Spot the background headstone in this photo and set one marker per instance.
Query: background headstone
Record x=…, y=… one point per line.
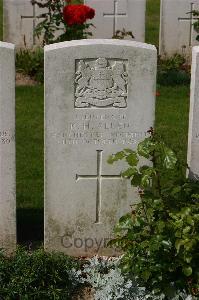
x=20, y=19
x=112, y=15
x=7, y=148
x=99, y=99
x=177, y=34
x=193, y=140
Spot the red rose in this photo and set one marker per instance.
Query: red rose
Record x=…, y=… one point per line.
x=77, y=14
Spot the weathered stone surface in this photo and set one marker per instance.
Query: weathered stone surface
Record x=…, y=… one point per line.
x=99, y=99
x=193, y=141
x=7, y=148
x=113, y=15
x=20, y=19
x=177, y=34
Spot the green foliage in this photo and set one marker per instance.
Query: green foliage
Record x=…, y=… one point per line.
x=121, y=34
x=160, y=237
x=173, y=71
x=31, y=62
x=37, y=275
x=53, y=28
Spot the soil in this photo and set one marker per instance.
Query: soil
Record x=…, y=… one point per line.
x=84, y=294
x=22, y=80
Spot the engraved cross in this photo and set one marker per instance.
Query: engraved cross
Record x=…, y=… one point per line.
x=115, y=15
x=191, y=22
x=98, y=177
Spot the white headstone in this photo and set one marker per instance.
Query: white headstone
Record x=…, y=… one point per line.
x=193, y=140
x=113, y=15
x=99, y=99
x=20, y=20
x=7, y=148
x=177, y=34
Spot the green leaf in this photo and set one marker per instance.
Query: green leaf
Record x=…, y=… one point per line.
x=145, y=181
x=188, y=259
x=113, y=242
x=129, y=151
x=190, y=220
x=146, y=147
x=170, y=158
x=185, y=211
x=160, y=226
x=176, y=190
x=186, y=229
x=135, y=181
x=179, y=244
x=129, y=172
x=187, y=271
x=125, y=222
x=115, y=157
x=166, y=244
x=145, y=168
x=132, y=159
x=146, y=275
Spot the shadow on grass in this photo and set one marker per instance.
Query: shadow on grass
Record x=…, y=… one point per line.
x=30, y=227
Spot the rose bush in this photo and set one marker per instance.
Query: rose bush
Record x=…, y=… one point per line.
x=62, y=21
x=77, y=14
x=160, y=235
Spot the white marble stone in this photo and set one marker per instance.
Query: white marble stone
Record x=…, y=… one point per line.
x=20, y=19
x=193, y=139
x=177, y=34
x=112, y=15
x=99, y=99
x=7, y=148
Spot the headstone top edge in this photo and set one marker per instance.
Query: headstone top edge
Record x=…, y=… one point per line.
x=195, y=50
x=88, y=42
x=7, y=45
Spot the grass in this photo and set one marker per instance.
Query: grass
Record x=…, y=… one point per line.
x=152, y=21
x=29, y=163
x=1, y=20
x=29, y=140
x=172, y=110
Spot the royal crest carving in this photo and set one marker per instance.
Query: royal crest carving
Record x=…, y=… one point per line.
x=102, y=83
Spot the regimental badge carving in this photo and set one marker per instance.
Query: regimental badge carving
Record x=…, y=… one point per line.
x=101, y=83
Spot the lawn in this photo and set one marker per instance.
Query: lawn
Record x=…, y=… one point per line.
x=171, y=122
x=152, y=21
x=172, y=110
x=1, y=20
x=29, y=162
x=29, y=141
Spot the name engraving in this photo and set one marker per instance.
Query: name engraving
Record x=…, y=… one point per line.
x=100, y=129
x=101, y=83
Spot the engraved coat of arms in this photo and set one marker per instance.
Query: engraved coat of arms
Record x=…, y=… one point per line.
x=101, y=85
